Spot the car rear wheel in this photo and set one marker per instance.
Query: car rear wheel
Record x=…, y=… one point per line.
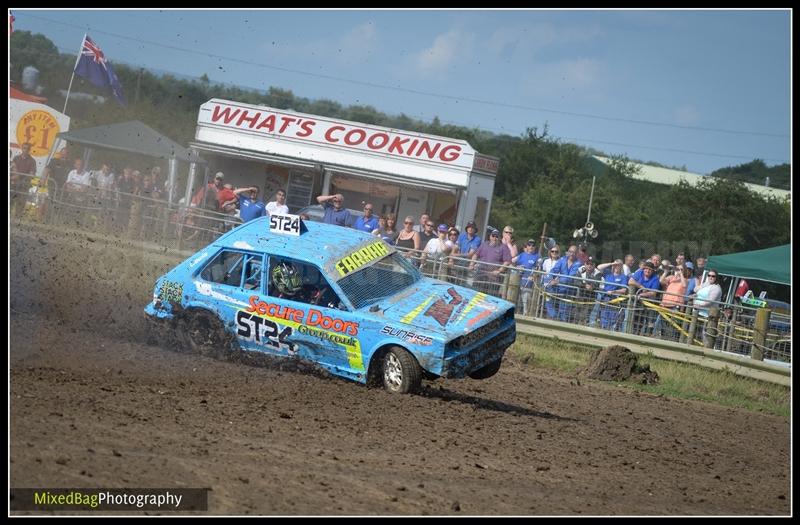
x=487, y=371
x=401, y=372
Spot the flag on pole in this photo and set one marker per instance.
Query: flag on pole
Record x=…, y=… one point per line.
x=93, y=66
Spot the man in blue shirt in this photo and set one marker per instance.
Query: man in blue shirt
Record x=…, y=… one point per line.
x=335, y=212
x=249, y=206
x=369, y=222
x=615, y=285
x=527, y=260
x=645, y=283
x=562, y=284
x=468, y=241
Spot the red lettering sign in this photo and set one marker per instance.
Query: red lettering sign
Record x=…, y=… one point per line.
x=338, y=134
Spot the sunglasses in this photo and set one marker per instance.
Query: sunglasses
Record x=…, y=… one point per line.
x=429, y=225
x=553, y=251
x=712, y=275
x=408, y=222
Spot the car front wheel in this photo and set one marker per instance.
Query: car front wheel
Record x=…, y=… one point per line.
x=401, y=372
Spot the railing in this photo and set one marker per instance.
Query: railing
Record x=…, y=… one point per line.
x=733, y=328
x=728, y=327
x=131, y=216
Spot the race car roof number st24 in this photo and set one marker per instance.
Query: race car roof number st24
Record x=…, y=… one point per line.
x=285, y=224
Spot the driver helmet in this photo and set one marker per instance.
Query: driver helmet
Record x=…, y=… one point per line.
x=286, y=278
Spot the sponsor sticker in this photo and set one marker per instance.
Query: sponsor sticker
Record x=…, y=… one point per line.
x=170, y=291
x=361, y=257
x=407, y=335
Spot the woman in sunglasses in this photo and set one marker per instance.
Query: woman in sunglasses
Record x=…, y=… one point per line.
x=707, y=294
x=408, y=238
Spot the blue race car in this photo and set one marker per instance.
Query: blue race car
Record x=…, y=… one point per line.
x=336, y=297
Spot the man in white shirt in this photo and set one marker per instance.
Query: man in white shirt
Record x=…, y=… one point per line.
x=79, y=179
x=278, y=205
x=104, y=179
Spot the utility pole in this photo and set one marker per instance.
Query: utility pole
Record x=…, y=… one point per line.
x=138, y=83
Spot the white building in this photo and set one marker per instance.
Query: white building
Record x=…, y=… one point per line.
x=401, y=172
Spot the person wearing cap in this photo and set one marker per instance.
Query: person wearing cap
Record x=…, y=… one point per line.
x=489, y=261
x=468, y=241
x=508, y=240
x=675, y=285
x=526, y=260
x=435, y=250
x=645, y=284
x=468, y=244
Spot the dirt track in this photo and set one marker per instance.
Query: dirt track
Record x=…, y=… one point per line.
x=93, y=405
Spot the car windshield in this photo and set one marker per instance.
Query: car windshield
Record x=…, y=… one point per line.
x=385, y=278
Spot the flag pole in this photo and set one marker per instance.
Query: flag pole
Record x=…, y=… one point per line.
x=73, y=72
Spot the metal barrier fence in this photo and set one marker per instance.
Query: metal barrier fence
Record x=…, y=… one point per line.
x=734, y=328
x=131, y=216
x=728, y=327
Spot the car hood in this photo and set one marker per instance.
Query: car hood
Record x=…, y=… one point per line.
x=440, y=307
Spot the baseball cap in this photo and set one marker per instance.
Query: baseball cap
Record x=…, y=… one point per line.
x=219, y=175
x=530, y=242
x=649, y=264
x=471, y=224
x=689, y=265
x=442, y=228
x=494, y=232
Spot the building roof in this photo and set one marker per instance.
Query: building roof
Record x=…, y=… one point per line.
x=672, y=177
x=134, y=137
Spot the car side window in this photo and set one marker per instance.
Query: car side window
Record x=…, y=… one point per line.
x=301, y=282
x=225, y=268
x=252, y=272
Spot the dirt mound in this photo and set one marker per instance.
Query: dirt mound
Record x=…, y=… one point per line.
x=617, y=363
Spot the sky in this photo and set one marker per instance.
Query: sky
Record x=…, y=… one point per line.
x=701, y=89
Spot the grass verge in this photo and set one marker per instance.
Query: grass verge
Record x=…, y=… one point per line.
x=676, y=379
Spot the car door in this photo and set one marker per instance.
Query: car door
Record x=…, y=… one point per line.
x=257, y=320
x=311, y=324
